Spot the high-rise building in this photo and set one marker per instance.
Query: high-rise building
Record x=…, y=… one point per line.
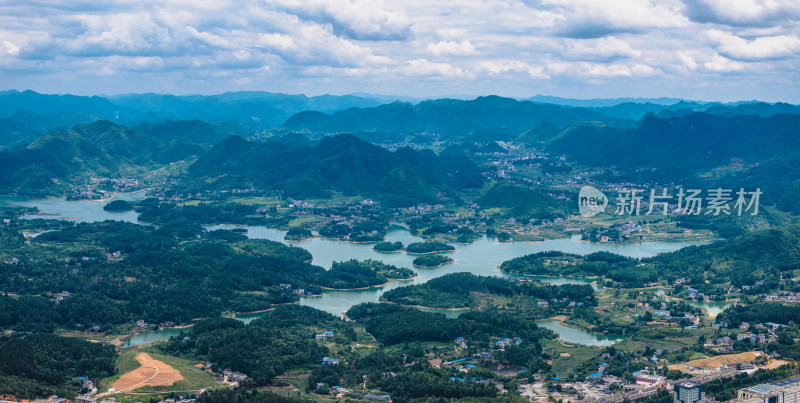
x=787, y=391
x=689, y=392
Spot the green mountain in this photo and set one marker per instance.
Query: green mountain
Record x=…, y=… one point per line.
x=538, y=134
x=196, y=131
x=694, y=141
x=340, y=163
x=449, y=118
x=102, y=148
x=521, y=202
x=698, y=149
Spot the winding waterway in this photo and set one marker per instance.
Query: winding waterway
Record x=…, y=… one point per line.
x=481, y=258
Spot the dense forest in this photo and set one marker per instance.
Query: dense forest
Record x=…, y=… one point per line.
x=342, y=163
x=457, y=290
x=245, y=395
x=281, y=340
x=359, y=274
x=756, y=260
x=522, y=202
x=388, y=246
x=44, y=364
x=297, y=234
x=111, y=273
x=761, y=312
x=364, y=230
x=431, y=261
x=393, y=324
x=428, y=247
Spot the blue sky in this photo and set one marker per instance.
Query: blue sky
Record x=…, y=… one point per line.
x=698, y=49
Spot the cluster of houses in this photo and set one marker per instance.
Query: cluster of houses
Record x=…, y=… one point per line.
x=461, y=364
x=465, y=364
x=421, y=209
x=757, y=338
x=722, y=344
x=330, y=361
x=233, y=376
x=120, y=184
x=336, y=390
x=88, y=195
x=656, y=358
x=501, y=344
x=324, y=336
x=783, y=296
x=61, y=296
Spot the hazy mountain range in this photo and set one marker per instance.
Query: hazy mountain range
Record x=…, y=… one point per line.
x=319, y=146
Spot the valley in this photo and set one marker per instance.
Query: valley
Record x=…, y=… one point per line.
x=317, y=256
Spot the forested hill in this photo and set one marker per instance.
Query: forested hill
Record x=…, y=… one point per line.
x=694, y=141
x=101, y=148
x=700, y=149
x=758, y=261
x=450, y=118
x=340, y=163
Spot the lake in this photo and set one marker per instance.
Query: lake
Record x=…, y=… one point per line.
x=481, y=257
x=58, y=208
x=576, y=336
x=149, y=337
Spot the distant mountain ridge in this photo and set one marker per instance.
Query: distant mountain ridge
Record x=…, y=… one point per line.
x=341, y=163
x=448, y=118
x=702, y=149
x=28, y=114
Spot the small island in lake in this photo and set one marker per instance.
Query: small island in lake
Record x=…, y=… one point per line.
x=388, y=246
x=118, y=206
x=428, y=247
x=354, y=274
x=297, y=234
x=432, y=261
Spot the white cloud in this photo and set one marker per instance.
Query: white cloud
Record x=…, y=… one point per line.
x=122, y=33
x=743, y=12
x=356, y=19
x=687, y=60
x=594, y=19
x=403, y=46
x=608, y=48
x=451, y=48
x=11, y=48
x=494, y=67
x=721, y=64
x=317, y=45
x=587, y=69
x=424, y=67
x=764, y=48
x=209, y=38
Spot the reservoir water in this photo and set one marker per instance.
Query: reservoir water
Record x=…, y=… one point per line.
x=58, y=208
x=481, y=258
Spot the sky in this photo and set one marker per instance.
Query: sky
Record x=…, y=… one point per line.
x=712, y=50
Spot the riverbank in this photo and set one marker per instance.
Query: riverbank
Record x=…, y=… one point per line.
x=433, y=267
x=426, y=307
x=432, y=252
x=369, y=286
